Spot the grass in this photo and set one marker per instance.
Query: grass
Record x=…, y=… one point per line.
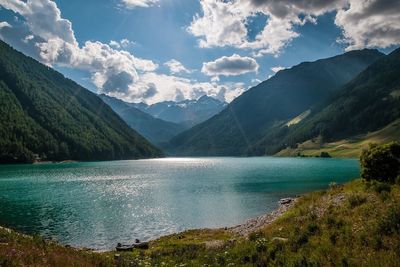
x=357, y=224
x=348, y=148
x=21, y=250
x=299, y=118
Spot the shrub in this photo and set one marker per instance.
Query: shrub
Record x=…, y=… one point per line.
x=390, y=224
x=255, y=235
x=356, y=200
x=325, y=154
x=261, y=245
x=379, y=187
x=381, y=162
x=398, y=180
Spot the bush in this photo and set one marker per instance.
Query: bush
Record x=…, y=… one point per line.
x=381, y=187
x=356, y=200
x=390, y=224
x=381, y=162
x=325, y=155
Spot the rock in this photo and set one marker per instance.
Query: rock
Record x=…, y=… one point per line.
x=285, y=201
x=121, y=247
x=143, y=245
x=138, y=245
x=258, y=223
x=282, y=239
x=214, y=244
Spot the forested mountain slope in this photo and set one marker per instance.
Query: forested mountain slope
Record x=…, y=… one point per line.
x=251, y=116
x=48, y=117
x=368, y=103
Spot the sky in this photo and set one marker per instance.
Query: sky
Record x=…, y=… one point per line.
x=156, y=50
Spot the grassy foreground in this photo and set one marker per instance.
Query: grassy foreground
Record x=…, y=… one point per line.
x=357, y=224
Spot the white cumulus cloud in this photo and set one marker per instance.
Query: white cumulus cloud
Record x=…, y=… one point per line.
x=365, y=23
x=139, y=3
x=373, y=23
x=225, y=22
x=50, y=38
x=277, y=68
x=122, y=44
x=176, y=67
x=5, y=24
x=170, y=87
x=230, y=66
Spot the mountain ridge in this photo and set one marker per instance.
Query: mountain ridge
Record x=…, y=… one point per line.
x=155, y=130
x=46, y=116
x=188, y=112
x=290, y=92
x=369, y=102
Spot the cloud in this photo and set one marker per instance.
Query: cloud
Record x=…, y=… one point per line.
x=373, y=23
x=151, y=91
x=122, y=44
x=118, y=82
x=43, y=18
x=115, y=44
x=224, y=23
x=109, y=67
x=293, y=8
x=139, y=3
x=4, y=24
x=176, y=67
x=153, y=87
x=230, y=66
x=277, y=68
x=50, y=38
x=126, y=43
x=45, y=35
x=28, y=38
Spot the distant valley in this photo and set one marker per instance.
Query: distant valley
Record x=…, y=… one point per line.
x=186, y=112
x=162, y=121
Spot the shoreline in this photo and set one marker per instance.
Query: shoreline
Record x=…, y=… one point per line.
x=241, y=230
x=254, y=224
x=335, y=219
x=171, y=156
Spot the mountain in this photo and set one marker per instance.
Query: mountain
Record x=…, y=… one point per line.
x=369, y=106
x=290, y=93
x=188, y=112
x=155, y=130
x=46, y=116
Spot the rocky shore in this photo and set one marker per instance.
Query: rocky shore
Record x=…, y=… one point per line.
x=255, y=224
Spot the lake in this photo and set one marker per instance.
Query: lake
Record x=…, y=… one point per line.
x=98, y=204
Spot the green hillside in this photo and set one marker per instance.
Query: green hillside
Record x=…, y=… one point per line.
x=45, y=116
x=348, y=148
x=366, y=104
x=289, y=93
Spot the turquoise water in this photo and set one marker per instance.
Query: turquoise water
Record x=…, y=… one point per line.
x=97, y=204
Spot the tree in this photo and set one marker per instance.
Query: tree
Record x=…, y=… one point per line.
x=325, y=154
x=381, y=162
